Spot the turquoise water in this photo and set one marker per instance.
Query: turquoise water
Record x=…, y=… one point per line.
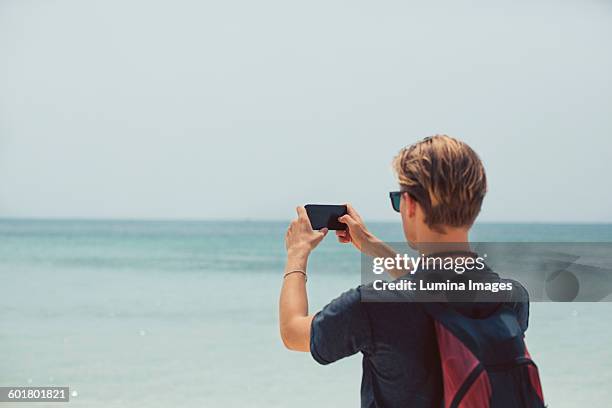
x=184, y=314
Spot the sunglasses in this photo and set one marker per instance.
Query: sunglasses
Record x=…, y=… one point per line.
x=396, y=199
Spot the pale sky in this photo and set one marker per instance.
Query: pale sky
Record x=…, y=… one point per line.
x=243, y=109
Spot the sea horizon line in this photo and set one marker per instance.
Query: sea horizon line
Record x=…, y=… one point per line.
x=270, y=220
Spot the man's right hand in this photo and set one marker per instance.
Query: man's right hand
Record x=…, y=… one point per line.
x=356, y=232
x=364, y=240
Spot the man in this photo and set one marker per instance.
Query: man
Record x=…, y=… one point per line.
x=442, y=186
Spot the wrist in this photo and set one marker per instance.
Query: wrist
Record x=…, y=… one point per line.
x=378, y=248
x=297, y=259
x=298, y=252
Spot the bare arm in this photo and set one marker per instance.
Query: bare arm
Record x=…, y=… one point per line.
x=358, y=235
x=293, y=308
x=294, y=321
x=301, y=239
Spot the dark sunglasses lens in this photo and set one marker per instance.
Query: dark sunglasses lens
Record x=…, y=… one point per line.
x=395, y=201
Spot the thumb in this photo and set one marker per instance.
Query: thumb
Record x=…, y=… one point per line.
x=348, y=220
x=321, y=234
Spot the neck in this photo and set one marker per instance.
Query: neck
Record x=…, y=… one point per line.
x=451, y=240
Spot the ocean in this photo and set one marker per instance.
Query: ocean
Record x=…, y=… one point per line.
x=184, y=314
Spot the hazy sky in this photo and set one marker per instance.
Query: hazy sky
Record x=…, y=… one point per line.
x=243, y=109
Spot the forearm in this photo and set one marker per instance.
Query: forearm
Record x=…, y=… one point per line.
x=380, y=249
x=293, y=306
x=294, y=299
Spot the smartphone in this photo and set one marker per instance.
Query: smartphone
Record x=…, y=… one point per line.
x=326, y=215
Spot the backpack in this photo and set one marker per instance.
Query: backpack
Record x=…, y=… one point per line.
x=485, y=362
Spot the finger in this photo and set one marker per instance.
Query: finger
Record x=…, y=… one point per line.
x=324, y=231
x=348, y=220
x=341, y=233
x=301, y=212
x=352, y=211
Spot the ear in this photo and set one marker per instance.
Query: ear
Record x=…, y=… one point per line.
x=410, y=205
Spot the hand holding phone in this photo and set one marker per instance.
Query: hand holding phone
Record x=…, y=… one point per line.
x=326, y=216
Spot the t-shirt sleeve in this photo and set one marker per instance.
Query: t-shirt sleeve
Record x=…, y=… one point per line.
x=522, y=312
x=340, y=329
x=521, y=306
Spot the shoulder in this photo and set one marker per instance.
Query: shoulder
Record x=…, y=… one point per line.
x=348, y=303
x=518, y=294
x=519, y=302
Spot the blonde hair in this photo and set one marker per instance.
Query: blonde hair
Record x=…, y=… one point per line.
x=446, y=177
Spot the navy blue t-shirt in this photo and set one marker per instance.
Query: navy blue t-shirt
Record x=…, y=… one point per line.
x=401, y=364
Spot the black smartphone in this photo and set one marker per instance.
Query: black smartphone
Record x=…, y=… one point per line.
x=326, y=215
